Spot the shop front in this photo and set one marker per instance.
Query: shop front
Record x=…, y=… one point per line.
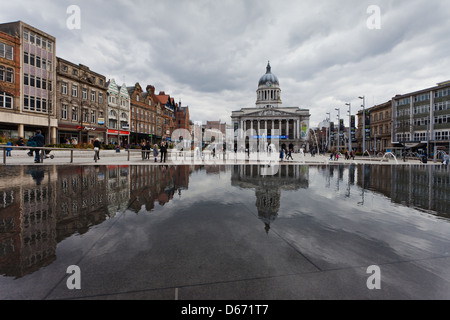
x=118, y=137
x=76, y=134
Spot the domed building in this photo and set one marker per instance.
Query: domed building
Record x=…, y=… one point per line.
x=269, y=119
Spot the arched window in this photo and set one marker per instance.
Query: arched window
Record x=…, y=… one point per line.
x=112, y=113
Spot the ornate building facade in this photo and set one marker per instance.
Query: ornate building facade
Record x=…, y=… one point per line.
x=81, y=103
x=269, y=119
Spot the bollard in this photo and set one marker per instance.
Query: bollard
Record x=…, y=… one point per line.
x=4, y=155
x=128, y=154
x=71, y=156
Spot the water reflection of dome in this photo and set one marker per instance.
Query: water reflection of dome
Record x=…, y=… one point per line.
x=268, y=188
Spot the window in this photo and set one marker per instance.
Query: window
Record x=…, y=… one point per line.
x=26, y=102
x=26, y=79
x=137, y=98
x=64, y=88
x=6, y=51
x=44, y=64
x=44, y=84
x=75, y=72
x=32, y=104
x=10, y=75
x=26, y=58
x=84, y=93
x=2, y=73
x=38, y=82
x=93, y=117
x=38, y=105
x=32, y=60
x=44, y=44
x=100, y=98
x=6, y=100
x=38, y=41
x=92, y=95
x=49, y=46
x=64, y=112
x=85, y=115
x=26, y=35
x=64, y=68
x=32, y=37
x=32, y=81
x=74, y=91
x=74, y=113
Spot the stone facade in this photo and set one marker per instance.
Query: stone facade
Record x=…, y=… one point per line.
x=81, y=103
x=118, y=115
x=269, y=119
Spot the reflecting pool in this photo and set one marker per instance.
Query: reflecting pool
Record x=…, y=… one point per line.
x=225, y=232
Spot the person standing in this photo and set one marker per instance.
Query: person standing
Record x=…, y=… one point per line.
x=155, y=152
x=21, y=142
x=40, y=142
x=97, y=146
x=163, y=151
x=148, y=149
x=8, y=150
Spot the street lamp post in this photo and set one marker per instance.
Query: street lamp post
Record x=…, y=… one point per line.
x=364, y=123
x=329, y=130
x=339, y=128
x=349, y=126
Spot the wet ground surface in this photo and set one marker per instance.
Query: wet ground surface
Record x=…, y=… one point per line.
x=225, y=232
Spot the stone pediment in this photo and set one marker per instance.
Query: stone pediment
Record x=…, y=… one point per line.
x=269, y=113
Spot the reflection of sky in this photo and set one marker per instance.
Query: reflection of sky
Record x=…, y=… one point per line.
x=328, y=204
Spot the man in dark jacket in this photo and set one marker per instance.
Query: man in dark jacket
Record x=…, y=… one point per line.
x=40, y=142
x=163, y=149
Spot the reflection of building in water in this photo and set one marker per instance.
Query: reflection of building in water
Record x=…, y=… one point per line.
x=27, y=220
x=423, y=186
x=82, y=199
x=117, y=188
x=150, y=184
x=268, y=188
x=40, y=206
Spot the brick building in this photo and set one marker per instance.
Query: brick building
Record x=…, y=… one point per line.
x=81, y=103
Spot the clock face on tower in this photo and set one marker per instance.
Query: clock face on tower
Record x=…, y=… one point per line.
x=269, y=84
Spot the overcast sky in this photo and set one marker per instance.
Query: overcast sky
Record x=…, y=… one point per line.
x=210, y=54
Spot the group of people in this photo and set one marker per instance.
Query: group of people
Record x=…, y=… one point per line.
x=286, y=153
x=335, y=155
x=147, y=150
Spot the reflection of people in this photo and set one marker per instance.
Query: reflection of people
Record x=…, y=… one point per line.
x=40, y=142
x=38, y=175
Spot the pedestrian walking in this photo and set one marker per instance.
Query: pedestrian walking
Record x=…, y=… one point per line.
x=40, y=142
x=97, y=146
x=289, y=155
x=281, y=154
x=155, y=152
x=8, y=150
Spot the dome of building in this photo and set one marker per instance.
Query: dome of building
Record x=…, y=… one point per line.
x=269, y=78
